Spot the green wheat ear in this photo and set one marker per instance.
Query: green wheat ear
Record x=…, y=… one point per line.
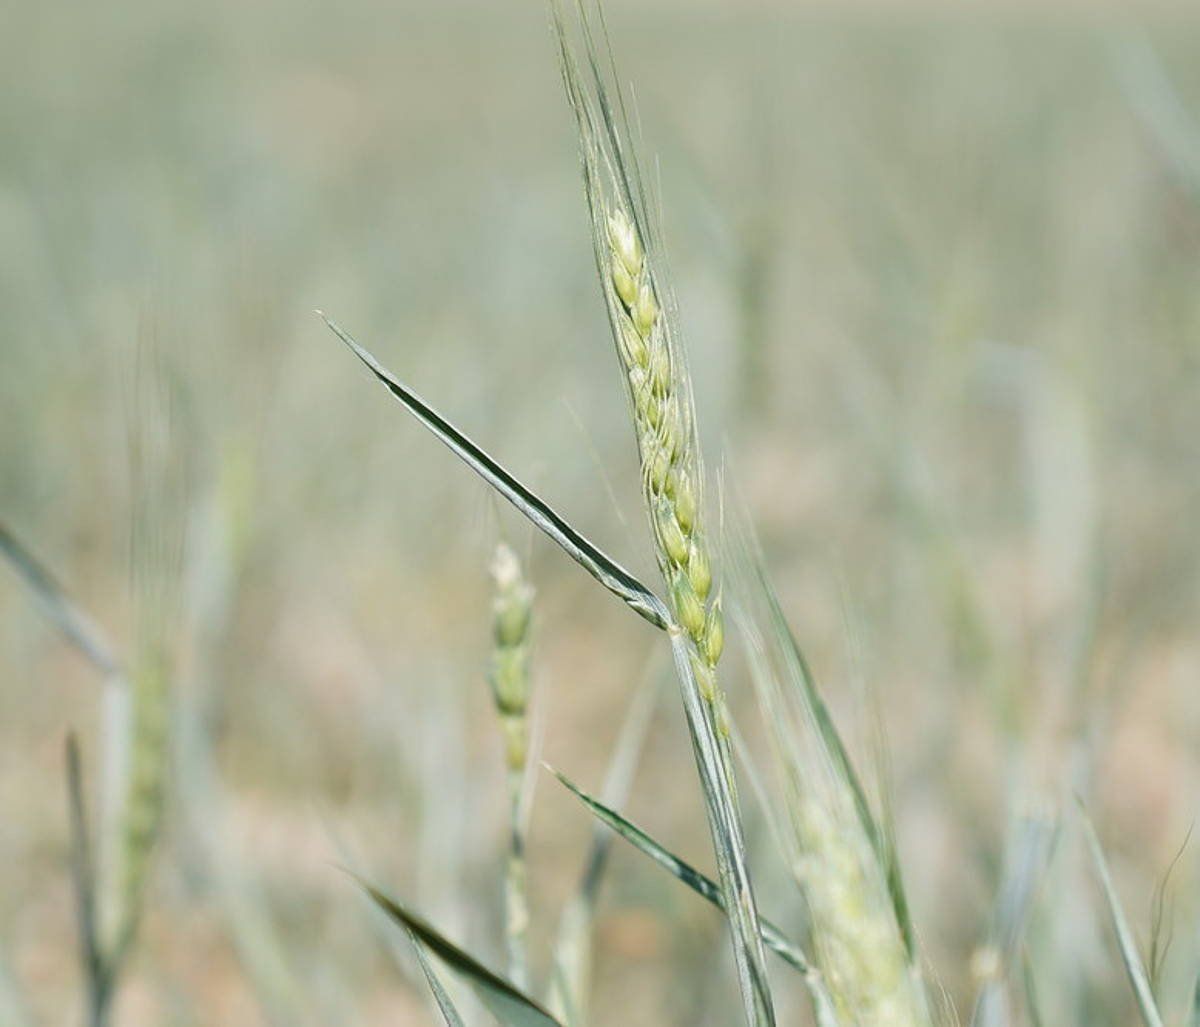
x=631, y=261
x=668, y=449
x=512, y=618
x=660, y=393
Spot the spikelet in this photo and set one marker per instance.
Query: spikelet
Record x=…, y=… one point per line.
x=512, y=616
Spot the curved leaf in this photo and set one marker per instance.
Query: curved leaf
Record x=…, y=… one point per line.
x=445, y=1004
x=707, y=889
x=79, y=629
x=1125, y=940
x=510, y=1006
x=603, y=568
x=724, y=821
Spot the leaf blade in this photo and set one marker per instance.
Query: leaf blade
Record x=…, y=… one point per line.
x=444, y=1002
x=707, y=889
x=1138, y=977
x=720, y=803
x=602, y=567
x=76, y=626
x=509, y=1005
x=680, y=869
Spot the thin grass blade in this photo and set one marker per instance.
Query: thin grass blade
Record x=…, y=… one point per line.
x=708, y=889
x=79, y=629
x=509, y=1005
x=1138, y=977
x=83, y=877
x=602, y=567
x=683, y=871
x=444, y=1002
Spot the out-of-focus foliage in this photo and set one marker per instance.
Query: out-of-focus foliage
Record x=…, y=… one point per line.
x=939, y=274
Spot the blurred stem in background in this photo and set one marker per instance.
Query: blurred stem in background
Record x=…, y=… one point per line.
x=220, y=552
x=222, y=535
x=571, y=980
x=146, y=717
x=13, y=1009
x=90, y=641
x=1159, y=107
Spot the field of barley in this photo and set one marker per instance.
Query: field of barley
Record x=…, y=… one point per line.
x=935, y=336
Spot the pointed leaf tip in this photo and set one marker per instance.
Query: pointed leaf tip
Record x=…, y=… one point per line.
x=512, y=1007
x=1138, y=978
x=600, y=565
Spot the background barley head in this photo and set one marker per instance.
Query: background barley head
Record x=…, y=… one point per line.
x=140, y=725
x=512, y=617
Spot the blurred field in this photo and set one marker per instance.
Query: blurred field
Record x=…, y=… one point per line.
x=940, y=275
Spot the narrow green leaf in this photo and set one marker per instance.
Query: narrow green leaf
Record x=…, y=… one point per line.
x=1194, y=1011
x=504, y=1001
x=701, y=884
x=603, y=568
x=83, y=877
x=446, y=1004
x=78, y=628
x=1125, y=940
x=724, y=820
x=707, y=889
